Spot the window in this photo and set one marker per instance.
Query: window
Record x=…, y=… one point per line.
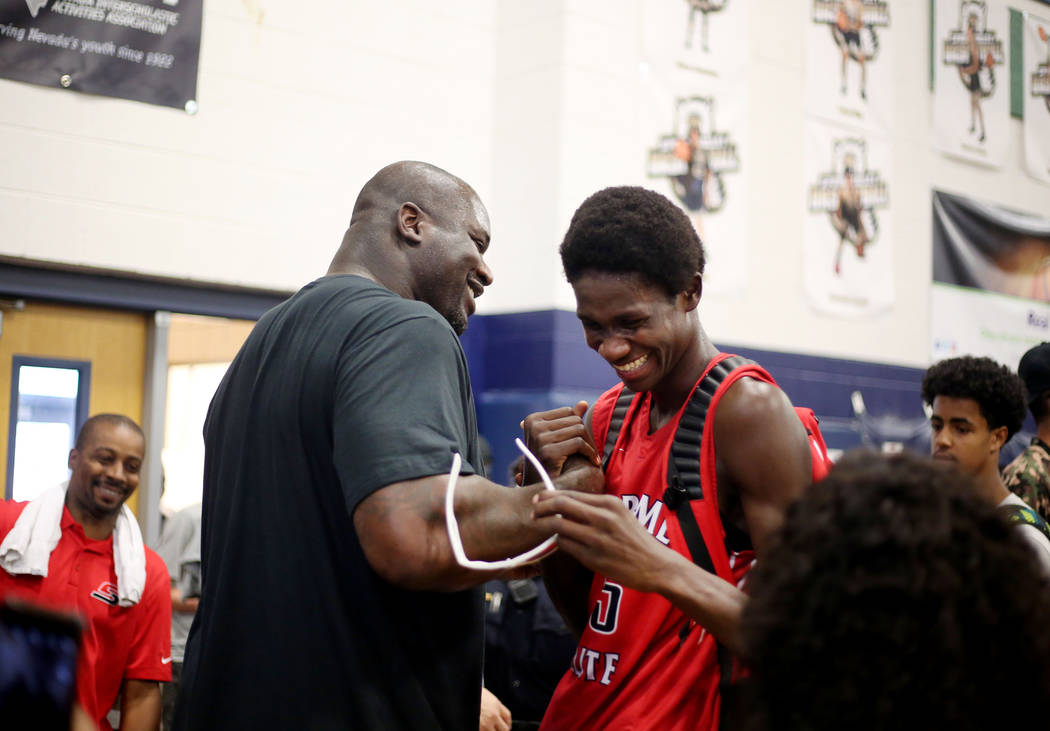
x=49, y=403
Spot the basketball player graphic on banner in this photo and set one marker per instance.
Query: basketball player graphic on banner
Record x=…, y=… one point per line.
x=1037, y=97
x=1040, y=83
x=847, y=259
x=695, y=158
x=700, y=8
x=694, y=35
x=854, y=29
x=971, y=108
x=974, y=50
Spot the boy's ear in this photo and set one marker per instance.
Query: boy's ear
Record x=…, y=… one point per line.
x=690, y=297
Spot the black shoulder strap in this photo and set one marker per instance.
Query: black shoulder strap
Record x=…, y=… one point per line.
x=1022, y=514
x=683, y=464
x=619, y=412
x=683, y=486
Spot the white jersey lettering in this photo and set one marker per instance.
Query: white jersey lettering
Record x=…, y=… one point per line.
x=648, y=516
x=587, y=662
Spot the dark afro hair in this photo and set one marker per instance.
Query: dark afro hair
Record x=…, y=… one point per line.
x=893, y=597
x=633, y=230
x=998, y=391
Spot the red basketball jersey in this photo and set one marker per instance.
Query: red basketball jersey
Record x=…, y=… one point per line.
x=641, y=663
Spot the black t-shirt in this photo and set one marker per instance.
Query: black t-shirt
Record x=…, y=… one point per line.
x=339, y=391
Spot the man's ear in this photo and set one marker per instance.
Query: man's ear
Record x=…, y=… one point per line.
x=691, y=294
x=409, y=222
x=999, y=437
x=73, y=454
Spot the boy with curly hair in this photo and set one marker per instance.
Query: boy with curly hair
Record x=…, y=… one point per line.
x=977, y=405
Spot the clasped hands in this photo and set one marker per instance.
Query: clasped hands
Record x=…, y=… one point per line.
x=595, y=528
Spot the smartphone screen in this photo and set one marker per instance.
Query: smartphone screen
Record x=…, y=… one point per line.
x=38, y=664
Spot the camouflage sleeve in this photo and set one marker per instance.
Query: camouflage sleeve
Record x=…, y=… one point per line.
x=1028, y=477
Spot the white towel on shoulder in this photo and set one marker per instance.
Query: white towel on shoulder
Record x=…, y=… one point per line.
x=27, y=547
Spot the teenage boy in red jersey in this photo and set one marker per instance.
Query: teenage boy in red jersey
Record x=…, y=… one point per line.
x=78, y=549
x=651, y=622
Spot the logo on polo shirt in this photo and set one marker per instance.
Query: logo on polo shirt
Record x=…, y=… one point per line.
x=106, y=593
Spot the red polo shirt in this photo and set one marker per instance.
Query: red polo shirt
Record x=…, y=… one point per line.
x=119, y=643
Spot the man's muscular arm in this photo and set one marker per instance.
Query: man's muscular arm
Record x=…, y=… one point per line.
x=401, y=528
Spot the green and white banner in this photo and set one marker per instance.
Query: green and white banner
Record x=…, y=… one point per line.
x=965, y=321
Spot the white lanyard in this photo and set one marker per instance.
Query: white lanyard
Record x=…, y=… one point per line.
x=453, y=525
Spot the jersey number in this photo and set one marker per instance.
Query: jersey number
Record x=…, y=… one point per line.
x=607, y=609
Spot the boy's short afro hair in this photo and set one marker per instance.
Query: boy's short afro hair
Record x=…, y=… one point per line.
x=629, y=229
x=998, y=391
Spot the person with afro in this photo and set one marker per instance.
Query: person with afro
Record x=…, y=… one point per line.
x=977, y=405
x=895, y=597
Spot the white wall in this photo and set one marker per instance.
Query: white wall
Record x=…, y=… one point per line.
x=299, y=103
x=603, y=85
x=537, y=104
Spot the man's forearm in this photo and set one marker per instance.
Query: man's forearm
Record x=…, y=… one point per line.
x=403, y=531
x=497, y=523
x=402, y=527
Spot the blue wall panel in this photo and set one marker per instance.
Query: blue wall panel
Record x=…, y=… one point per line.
x=534, y=361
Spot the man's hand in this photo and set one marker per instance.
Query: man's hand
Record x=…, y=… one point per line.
x=580, y=475
x=494, y=715
x=605, y=537
x=553, y=436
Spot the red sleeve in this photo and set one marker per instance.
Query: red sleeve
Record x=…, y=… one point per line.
x=150, y=655
x=9, y=512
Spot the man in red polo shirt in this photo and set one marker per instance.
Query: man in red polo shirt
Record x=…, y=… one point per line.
x=80, y=549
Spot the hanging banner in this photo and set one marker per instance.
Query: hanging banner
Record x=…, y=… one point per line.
x=971, y=99
x=145, y=50
x=1037, y=97
x=849, y=76
x=991, y=272
x=848, y=254
x=698, y=35
x=694, y=156
x=984, y=246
